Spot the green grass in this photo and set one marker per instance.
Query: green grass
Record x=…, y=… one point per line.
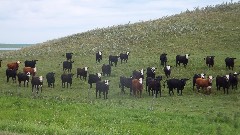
x=202, y=32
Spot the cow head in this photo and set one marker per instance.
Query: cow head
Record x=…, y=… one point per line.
x=153, y=69
x=106, y=82
x=18, y=62
x=85, y=68
x=28, y=74
x=99, y=52
x=210, y=79
x=127, y=53
x=202, y=75
x=168, y=67
x=99, y=75
x=141, y=71
x=187, y=55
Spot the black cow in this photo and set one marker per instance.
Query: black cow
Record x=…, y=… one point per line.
x=154, y=85
x=124, y=56
x=182, y=59
x=229, y=62
x=151, y=71
x=102, y=87
x=66, y=78
x=223, y=81
x=195, y=76
x=11, y=73
x=23, y=77
x=113, y=59
x=138, y=74
x=50, y=79
x=82, y=72
x=0, y=63
x=93, y=78
x=31, y=63
x=125, y=82
x=233, y=79
x=98, y=56
x=67, y=65
x=69, y=56
x=167, y=70
x=178, y=84
x=37, y=82
x=209, y=61
x=163, y=59
x=106, y=69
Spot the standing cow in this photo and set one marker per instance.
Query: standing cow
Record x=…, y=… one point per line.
x=66, y=78
x=98, y=56
x=209, y=61
x=31, y=63
x=94, y=78
x=178, y=84
x=163, y=59
x=151, y=72
x=102, y=87
x=37, y=83
x=23, y=77
x=182, y=59
x=124, y=56
x=67, y=65
x=223, y=81
x=229, y=62
x=11, y=73
x=69, y=56
x=13, y=65
x=106, y=69
x=125, y=82
x=50, y=79
x=137, y=87
x=205, y=84
x=167, y=71
x=82, y=72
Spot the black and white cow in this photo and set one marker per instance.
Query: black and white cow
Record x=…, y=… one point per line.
x=124, y=56
x=106, y=69
x=93, y=78
x=67, y=66
x=102, y=86
x=182, y=59
x=154, y=85
x=66, y=78
x=195, y=76
x=209, y=61
x=82, y=72
x=37, y=83
x=23, y=77
x=11, y=73
x=138, y=74
x=151, y=72
x=98, y=56
x=223, y=81
x=125, y=82
x=50, y=79
x=233, y=79
x=69, y=56
x=178, y=84
x=167, y=70
x=229, y=62
x=31, y=63
x=113, y=59
x=163, y=59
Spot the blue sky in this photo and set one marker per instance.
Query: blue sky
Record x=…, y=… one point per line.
x=36, y=21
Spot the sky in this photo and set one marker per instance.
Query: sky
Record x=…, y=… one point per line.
x=37, y=21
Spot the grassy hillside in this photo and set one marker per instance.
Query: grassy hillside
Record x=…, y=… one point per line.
x=207, y=31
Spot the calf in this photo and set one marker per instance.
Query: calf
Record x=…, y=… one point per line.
x=151, y=71
x=125, y=82
x=195, y=76
x=138, y=74
x=233, y=80
x=50, y=79
x=37, y=82
x=66, y=78
x=124, y=56
x=82, y=72
x=69, y=56
x=229, y=62
x=106, y=69
x=98, y=56
x=154, y=85
x=113, y=59
x=182, y=59
x=102, y=87
x=223, y=81
x=67, y=65
x=93, y=78
x=209, y=61
x=23, y=77
x=205, y=84
x=32, y=71
x=137, y=87
x=178, y=84
x=163, y=59
x=167, y=71
x=31, y=63
x=11, y=73
x=13, y=65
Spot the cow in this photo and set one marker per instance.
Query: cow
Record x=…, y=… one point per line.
x=23, y=77
x=174, y=83
x=113, y=59
x=93, y=78
x=31, y=70
x=125, y=82
x=182, y=59
x=13, y=65
x=154, y=85
x=124, y=56
x=205, y=84
x=167, y=70
x=82, y=72
x=69, y=56
x=209, y=61
x=233, y=79
x=11, y=73
x=151, y=71
x=98, y=56
x=37, y=82
x=195, y=76
x=229, y=62
x=223, y=81
x=67, y=66
x=31, y=63
x=137, y=87
x=138, y=74
x=50, y=76
x=106, y=69
x=163, y=59
x=102, y=86
x=0, y=63
x=67, y=78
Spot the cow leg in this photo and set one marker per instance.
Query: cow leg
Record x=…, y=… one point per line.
x=96, y=92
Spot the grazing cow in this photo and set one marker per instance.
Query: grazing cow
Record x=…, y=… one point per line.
x=50, y=79
x=69, y=56
x=13, y=65
x=151, y=71
x=93, y=78
x=154, y=85
x=37, y=82
x=178, y=84
x=223, y=81
x=202, y=75
x=125, y=82
x=31, y=63
x=233, y=79
x=229, y=62
x=98, y=56
x=66, y=78
x=11, y=73
x=138, y=74
x=167, y=71
x=182, y=59
x=32, y=71
x=204, y=84
x=124, y=56
x=106, y=69
x=102, y=87
x=113, y=59
x=67, y=65
x=23, y=77
x=0, y=63
x=209, y=61
x=163, y=59
x=82, y=72
x=137, y=87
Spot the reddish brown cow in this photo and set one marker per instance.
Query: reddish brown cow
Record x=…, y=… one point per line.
x=31, y=70
x=204, y=84
x=13, y=65
x=137, y=87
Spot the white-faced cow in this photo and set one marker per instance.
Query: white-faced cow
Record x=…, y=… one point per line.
x=23, y=77
x=167, y=70
x=50, y=76
x=178, y=84
x=229, y=62
x=138, y=74
x=151, y=72
x=223, y=81
x=113, y=59
x=209, y=61
x=124, y=56
x=82, y=72
x=31, y=63
x=102, y=86
x=13, y=65
x=37, y=83
x=137, y=87
x=163, y=59
x=98, y=56
x=205, y=84
x=106, y=69
x=182, y=59
x=93, y=78
x=31, y=70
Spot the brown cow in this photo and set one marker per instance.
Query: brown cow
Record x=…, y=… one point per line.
x=31, y=70
x=204, y=84
x=137, y=87
x=13, y=65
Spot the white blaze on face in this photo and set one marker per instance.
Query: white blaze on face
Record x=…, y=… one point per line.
x=35, y=69
x=99, y=75
x=141, y=71
x=28, y=74
x=85, y=68
x=227, y=76
x=141, y=80
x=107, y=82
x=187, y=55
x=100, y=53
x=210, y=79
x=127, y=53
x=235, y=73
x=202, y=75
x=18, y=62
x=168, y=67
x=153, y=69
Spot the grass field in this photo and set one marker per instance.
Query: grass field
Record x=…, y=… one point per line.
x=202, y=32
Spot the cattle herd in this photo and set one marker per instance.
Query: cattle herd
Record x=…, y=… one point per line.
x=134, y=82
